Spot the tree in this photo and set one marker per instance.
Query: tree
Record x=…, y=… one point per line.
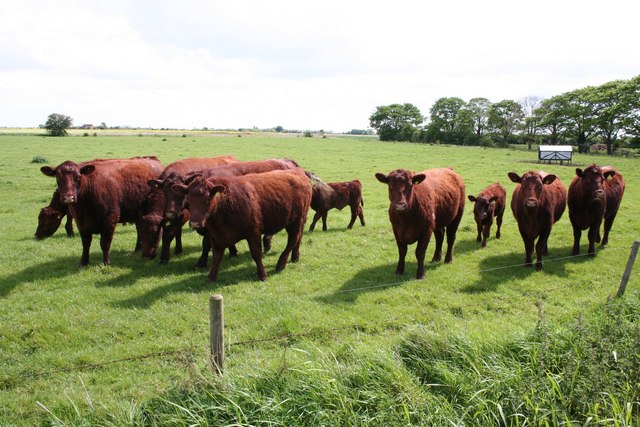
x=479, y=109
x=552, y=119
x=580, y=116
x=449, y=121
x=529, y=106
x=396, y=122
x=613, y=104
x=505, y=118
x=57, y=124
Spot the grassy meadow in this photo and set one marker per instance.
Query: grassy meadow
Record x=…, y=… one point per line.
x=336, y=339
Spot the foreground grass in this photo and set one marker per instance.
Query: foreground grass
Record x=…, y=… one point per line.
x=123, y=344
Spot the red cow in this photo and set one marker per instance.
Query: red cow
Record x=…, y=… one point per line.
x=594, y=194
x=537, y=202
x=249, y=206
x=421, y=204
x=155, y=222
x=176, y=201
x=488, y=204
x=327, y=196
x=51, y=216
x=102, y=194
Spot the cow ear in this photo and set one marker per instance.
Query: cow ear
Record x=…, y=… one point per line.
x=418, y=178
x=549, y=179
x=189, y=178
x=382, y=178
x=493, y=199
x=609, y=174
x=155, y=183
x=87, y=169
x=579, y=172
x=180, y=189
x=216, y=188
x=472, y=198
x=514, y=177
x=48, y=170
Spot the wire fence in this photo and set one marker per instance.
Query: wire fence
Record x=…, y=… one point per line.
x=7, y=381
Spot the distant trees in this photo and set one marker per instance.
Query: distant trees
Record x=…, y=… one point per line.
x=57, y=124
x=608, y=114
x=396, y=122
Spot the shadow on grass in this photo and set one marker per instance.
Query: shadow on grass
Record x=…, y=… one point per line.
x=54, y=269
x=495, y=270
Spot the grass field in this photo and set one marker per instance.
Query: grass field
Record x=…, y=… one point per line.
x=114, y=345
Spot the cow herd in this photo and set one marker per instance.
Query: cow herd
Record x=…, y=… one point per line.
x=227, y=200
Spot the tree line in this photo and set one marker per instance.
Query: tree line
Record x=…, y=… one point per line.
x=608, y=114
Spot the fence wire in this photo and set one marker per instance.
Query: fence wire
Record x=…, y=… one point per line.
x=8, y=380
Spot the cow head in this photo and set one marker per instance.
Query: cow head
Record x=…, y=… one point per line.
x=483, y=207
x=49, y=220
x=532, y=184
x=150, y=231
x=174, y=202
x=592, y=180
x=400, y=183
x=68, y=176
x=199, y=195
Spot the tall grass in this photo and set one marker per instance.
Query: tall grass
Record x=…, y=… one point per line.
x=127, y=344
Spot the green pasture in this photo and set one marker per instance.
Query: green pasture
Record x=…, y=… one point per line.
x=111, y=345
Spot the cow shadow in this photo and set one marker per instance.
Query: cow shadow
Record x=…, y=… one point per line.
x=54, y=269
x=498, y=269
x=375, y=279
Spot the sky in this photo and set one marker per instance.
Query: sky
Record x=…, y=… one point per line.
x=301, y=65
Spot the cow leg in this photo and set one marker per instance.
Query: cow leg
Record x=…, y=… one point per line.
x=486, y=231
x=292, y=240
x=176, y=225
x=577, y=233
x=266, y=243
x=479, y=228
x=324, y=220
x=233, y=251
x=206, y=247
x=354, y=215
x=256, y=253
x=421, y=250
x=528, y=249
x=593, y=231
x=361, y=215
x=452, y=229
x=608, y=223
x=541, y=249
x=68, y=226
x=105, y=245
x=316, y=217
x=86, y=245
x=218, y=252
x=138, y=239
x=499, y=224
x=402, y=254
x=168, y=233
x=439, y=234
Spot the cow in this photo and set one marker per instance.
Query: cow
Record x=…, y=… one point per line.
x=537, y=202
x=102, y=194
x=421, y=204
x=155, y=223
x=489, y=203
x=594, y=194
x=330, y=195
x=50, y=218
x=176, y=202
x=247, y=207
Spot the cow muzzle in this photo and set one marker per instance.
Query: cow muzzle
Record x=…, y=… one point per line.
x=599, y=194
x=69, y=199
x=531, y=203
x=400, y=207
x=196, y=224
x=171, y=214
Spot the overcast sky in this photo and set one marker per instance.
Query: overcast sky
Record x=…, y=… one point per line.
x=294, y=63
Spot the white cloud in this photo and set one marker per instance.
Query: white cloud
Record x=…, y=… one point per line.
x=326, y=65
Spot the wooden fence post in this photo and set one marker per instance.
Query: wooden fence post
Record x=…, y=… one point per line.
x=627, y=271
x=216, y=323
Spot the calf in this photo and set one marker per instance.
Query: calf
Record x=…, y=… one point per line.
x=51, y=216
x=249, y=206
x=327, y=196
x=155, y=222
x=537, y=202
x=594, y=194
x=424, y=203
x=102, y=194
x=488, y=204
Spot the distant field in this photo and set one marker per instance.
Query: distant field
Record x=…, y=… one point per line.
x=64, y=331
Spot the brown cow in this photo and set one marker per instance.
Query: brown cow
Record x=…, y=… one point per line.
x=329, y=195
x=155, y=221
x=176, y=201
x=249, y=206
x=102, y=194
x=537, y=202
x=421, y=204
x=51, y=216
x=488, y=204
x=594, y=194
